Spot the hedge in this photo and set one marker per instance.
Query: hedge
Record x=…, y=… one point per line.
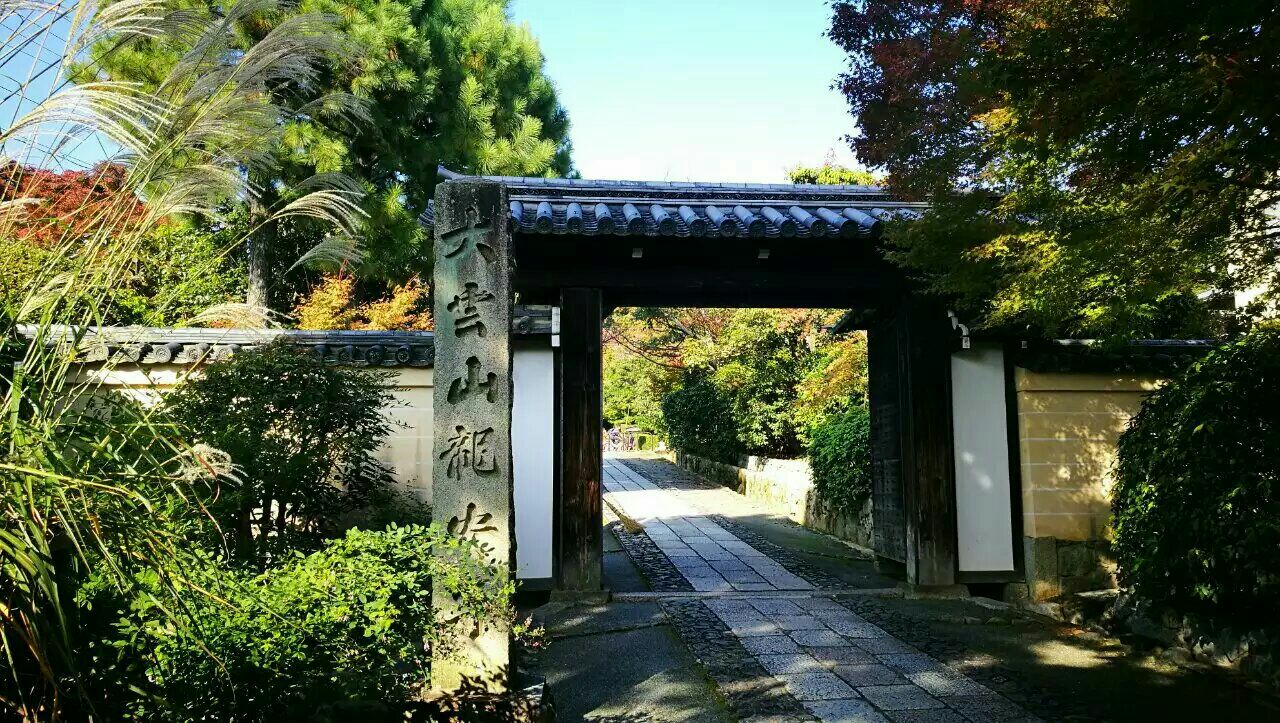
x=1197, y=502
x=840, y=457
x=700, y=421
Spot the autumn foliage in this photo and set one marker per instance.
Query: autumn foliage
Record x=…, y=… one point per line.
x=63, y=206
x=1094, y=167
x=333, y=304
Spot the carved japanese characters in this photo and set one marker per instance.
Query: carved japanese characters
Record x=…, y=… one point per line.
x=465, y=308
x=462, y=388
x=472, y=471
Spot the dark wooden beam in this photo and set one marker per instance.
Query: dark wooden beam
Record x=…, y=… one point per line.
x=884, y=392
x=758, y=288
x=923, y=333
x=580, y=568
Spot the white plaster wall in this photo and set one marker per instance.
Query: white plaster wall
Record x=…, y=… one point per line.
x=984, y=518
x=533, y=444
x=408, y=448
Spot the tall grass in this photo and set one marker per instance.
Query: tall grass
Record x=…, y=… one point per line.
x=79, y=485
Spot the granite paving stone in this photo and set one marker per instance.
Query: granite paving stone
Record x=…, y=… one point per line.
x=928, y=715
x=776, y=607
x=911, y=662
x=845, y=711
x=948, y=682
x=842, y=655
x=789, y=663
x=798, y=622
x=796, y=654
x=988, y=708
x=854, y=628
x=706, y=584
x=883, y=646
x=752, y=629
x=734, y=565
x=730, y=605
x=861, y=675
x=818, y=686
x=817, y=638
x=815, y=604
x=899, y=697
x=770, y=645
x=712, y=552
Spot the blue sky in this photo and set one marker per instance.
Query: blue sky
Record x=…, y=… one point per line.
x=703, y=90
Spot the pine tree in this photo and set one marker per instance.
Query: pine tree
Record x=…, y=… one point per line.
x=451, y=82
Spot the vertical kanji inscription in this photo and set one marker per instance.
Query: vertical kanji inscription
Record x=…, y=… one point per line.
x=472, y=475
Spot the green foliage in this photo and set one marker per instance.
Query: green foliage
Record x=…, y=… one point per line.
x=451, y=82
x=1091, y=166
x=830, y=174
x=1197, y=502
x=777, y=371
x=633, y=389
x=179, y=271
x=836, y=381
x=759, y=365
x=301, y=435
x=840, y=457
x=113, y=489
x=351, y=621
x=699, y=420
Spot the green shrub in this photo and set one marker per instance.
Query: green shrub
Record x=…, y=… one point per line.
x=840, y=457
x=302, y=435
x=349, y=622
x=178, y=270
x=700, y=421
x=1196, y=506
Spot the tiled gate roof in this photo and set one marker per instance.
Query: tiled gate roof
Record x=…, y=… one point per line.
x=684, y=210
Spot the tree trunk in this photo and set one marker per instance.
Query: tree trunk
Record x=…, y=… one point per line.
x=259, y=270
x=261, y=248
x=244, y=532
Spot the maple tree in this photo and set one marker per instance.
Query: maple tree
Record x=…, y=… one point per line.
x=50, y=206
x=1093, y=167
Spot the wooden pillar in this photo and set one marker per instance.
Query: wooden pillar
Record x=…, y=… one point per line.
x=924, y=354
x=580, y=568
x=884, y=396
x=472, y=480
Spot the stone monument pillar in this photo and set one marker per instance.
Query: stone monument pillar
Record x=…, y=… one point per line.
x=472, y=490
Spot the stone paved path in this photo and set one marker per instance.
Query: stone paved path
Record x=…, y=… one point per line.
x=818, y=659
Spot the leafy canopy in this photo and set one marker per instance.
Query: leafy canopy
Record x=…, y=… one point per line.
x=450, y=82
x=831, y=174
x=1091, y=165
x=773, y=372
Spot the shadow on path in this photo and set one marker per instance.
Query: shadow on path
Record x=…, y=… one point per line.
x=1056, y=671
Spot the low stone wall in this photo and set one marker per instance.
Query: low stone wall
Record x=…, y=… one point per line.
x=1059, y=567
x=784, y=487
x=1253, y=653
